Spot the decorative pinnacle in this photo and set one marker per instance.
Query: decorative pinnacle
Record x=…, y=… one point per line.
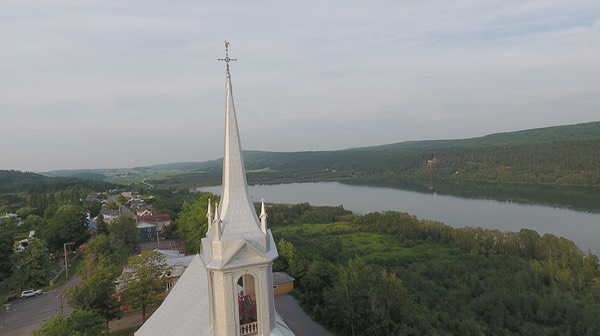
x=227, y=59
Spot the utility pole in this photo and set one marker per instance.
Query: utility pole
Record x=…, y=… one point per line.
x=66, y=259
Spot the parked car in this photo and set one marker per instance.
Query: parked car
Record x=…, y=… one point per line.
x=30, y=293
x=11, y=297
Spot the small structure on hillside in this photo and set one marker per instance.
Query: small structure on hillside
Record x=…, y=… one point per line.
x=283, y=283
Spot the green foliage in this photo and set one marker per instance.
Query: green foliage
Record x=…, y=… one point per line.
x=142, y=281
x=101, y=226
x=428, y=278
x=68, y=224
x=6, y=252
x=96, y=293
x=26, y=211
x=305, y=213
x=169, y=200
x=121, y=199
x=33, y=222
x=102, y=252
x=124, y=231
x=102, y=262
x=356, y=308
x=33, y=264
x=11, y=202
x=79, y=323
x=12, y=181
x=192, y=222
x=288, y=259
x=94, y=208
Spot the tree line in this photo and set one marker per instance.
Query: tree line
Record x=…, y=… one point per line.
x=429, y=278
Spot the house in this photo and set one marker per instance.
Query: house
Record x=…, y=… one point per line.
x=283, y=283
x=22, y=244
x=111, y=215
x=177, y=263
x=144, y=210
x=160, y=220
x=147, y=232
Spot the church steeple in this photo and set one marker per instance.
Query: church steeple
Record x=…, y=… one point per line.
x=238, y=249
x=228, y=288
x=236, y=209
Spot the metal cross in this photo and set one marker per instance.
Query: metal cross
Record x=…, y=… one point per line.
x=227, y=59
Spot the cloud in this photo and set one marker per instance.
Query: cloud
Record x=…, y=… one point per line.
x=309, y=75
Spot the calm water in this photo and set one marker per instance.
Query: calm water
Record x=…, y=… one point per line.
x=582, y=228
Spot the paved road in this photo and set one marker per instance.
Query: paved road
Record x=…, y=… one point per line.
x=295, y=318
x=29, y=314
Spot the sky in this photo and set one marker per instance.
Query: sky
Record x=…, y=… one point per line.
x=121, y=84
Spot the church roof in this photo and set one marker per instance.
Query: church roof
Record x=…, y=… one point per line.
x=185, y=310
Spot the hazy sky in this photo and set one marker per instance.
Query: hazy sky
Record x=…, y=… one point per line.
x=119, y=84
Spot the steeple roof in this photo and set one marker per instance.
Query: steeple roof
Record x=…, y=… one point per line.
x=236, y=210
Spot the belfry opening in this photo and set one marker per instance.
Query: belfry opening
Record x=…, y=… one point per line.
x=247, y=304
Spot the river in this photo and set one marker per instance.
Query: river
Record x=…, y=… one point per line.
x=581, y=227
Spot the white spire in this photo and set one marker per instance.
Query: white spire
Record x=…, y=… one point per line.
x=236, y=211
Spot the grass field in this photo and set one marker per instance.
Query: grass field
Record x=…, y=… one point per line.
x=343, y=240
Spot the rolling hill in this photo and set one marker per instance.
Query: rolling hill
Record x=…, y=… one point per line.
x=560, y=155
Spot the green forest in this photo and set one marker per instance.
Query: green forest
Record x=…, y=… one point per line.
x=390, y=273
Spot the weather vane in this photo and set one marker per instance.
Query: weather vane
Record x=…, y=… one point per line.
x=227, y=59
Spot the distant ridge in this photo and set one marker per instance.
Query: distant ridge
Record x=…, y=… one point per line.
x=12, y=181
x=583, y=131
x=563, y=155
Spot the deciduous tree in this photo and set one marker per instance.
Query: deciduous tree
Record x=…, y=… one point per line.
x=143, y=281
x=6, y=252
x=97, y=293
x=79, y=323
x=69, y=224
x=192, y=222
x=101, y=227
x=33, y=264
x=124, y=231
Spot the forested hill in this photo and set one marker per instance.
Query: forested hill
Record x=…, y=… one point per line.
x=586, y=131
x=12, y=181
x=561, y=155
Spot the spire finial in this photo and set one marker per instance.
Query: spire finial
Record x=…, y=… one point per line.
x=227, y=59
x=263, y=216
x=209, y=214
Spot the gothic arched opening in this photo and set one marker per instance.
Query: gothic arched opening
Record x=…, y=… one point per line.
x=247, y=305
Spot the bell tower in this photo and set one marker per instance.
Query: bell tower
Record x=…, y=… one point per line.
x=238, y=249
